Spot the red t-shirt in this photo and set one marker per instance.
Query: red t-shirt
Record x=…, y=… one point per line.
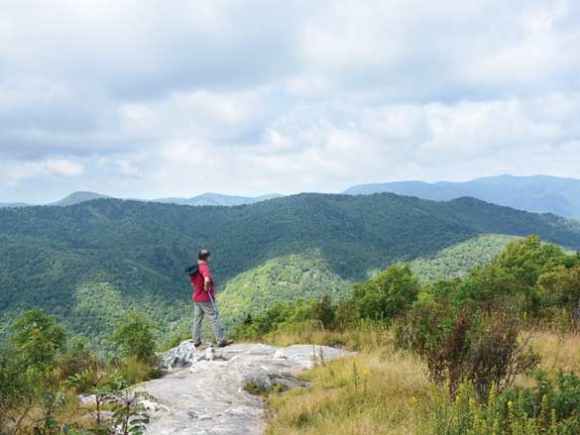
x=197, y=281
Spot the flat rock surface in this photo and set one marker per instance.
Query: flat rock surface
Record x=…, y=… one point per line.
x=208, y=396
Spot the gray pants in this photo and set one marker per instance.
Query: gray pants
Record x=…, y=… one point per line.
x=206, y=308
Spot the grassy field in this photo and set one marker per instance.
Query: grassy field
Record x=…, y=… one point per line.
x=378, y=390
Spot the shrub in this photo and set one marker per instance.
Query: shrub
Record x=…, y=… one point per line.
x=135, y=337
x=76, y=359
x=37, y=338
x=388, y=295
x=550, y=407
x=461, y=344
x=325, y=312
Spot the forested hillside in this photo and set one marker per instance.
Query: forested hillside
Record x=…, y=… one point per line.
x=91, y=263
x=289, y=277
x=458, y=260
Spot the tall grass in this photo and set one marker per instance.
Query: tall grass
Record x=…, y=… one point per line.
x=372, y=392
x=557, y=351
x=380, y=390
x=364, y=336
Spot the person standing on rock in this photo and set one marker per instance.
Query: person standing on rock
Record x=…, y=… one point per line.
x=204, y=302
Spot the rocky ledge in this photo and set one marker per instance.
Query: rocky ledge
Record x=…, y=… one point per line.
x=203, y=393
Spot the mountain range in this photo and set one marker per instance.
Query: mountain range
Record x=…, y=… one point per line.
x=538, y=194
x=217, y=199
x=91, y=263
x=203, y=199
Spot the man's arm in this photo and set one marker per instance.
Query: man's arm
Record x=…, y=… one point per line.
x=207, y=279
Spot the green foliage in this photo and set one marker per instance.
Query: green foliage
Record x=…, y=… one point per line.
x=458, y=260
x=134, y=336
x=302, y=315
x=12, y=394
x=388, y=295
x=528, y=276
x=38, y=387
x=76, y=358
x=280, y=315
x=28, y=396
x=112, y=391
x=514, y=273
x=37, y=339
x=281, y=279
x=560, y=288
x=129, y=415
x=325, y=312
x=551, y=407
x=256, y=389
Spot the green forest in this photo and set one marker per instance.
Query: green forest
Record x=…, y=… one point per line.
x=92, y=263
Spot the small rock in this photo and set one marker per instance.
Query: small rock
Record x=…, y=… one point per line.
x=87, y=399
x=149, y=405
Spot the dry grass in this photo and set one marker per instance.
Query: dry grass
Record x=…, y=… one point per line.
x=557, y=351
x=374, y=392
x=367, y=336
x=380, y=390
x=284, y=339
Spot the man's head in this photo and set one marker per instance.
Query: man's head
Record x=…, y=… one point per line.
x=204, y=255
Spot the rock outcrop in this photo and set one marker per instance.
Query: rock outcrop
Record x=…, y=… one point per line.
x=203, y=393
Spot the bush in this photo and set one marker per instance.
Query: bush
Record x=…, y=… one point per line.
x=551, y=407
x=325, y=312
x=37, y=338
x=388, y=295
x=76, y=359
x=461, y=344
x=135, y=337
x=283, y=314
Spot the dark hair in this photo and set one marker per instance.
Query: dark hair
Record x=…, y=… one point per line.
x=203, y=255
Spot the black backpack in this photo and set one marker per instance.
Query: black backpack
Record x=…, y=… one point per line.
x=192, y=270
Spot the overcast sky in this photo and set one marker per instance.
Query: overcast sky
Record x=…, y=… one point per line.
x=152, y=98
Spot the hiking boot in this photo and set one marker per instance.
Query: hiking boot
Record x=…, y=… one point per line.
x=197, y=344
x=225, y=343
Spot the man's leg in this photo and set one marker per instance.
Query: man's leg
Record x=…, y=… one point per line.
x=216, y=325
x=198, y=312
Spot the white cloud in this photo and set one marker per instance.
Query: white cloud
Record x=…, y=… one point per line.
x=142, y=99
x=13, y=172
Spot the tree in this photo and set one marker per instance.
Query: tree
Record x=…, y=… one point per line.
x=37, y=339
x=560, y=288
x=388, y=295
x=135, y=336
x=513, y=275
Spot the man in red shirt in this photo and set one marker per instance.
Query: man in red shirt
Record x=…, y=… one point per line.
x=204, y=301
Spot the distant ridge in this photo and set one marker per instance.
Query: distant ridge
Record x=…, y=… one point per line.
x=203, y=199
x=72, y=199
x=217, y=199
x=78, y=197
x=13, y=204
x=537, y=194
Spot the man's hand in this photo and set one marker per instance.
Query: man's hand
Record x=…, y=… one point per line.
x=207, y=284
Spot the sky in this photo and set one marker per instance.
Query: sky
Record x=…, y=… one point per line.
x=152, y=98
